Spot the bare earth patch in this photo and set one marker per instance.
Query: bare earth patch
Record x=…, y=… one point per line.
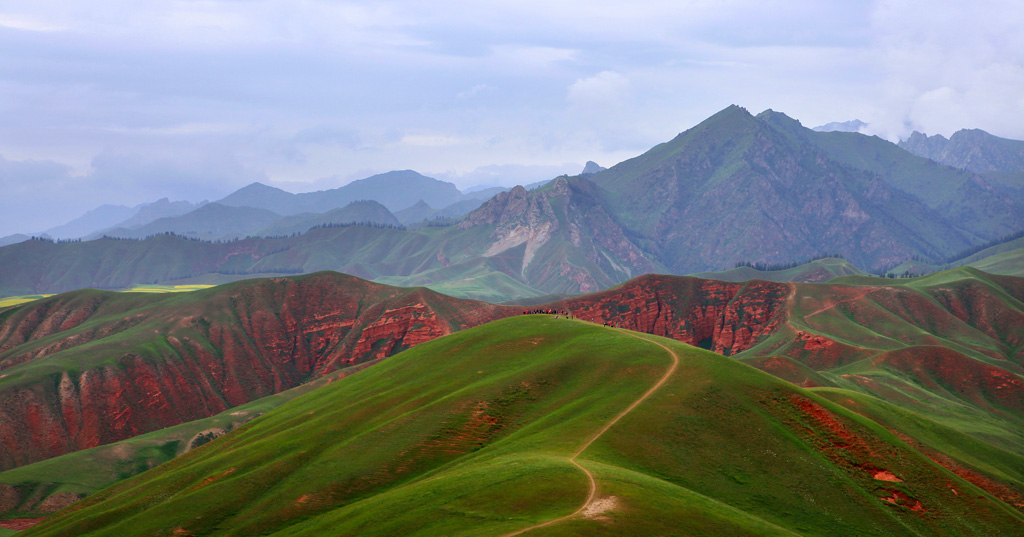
x=596, y=509
x=886, y=475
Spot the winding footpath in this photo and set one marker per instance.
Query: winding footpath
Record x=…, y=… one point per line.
x=590, y=477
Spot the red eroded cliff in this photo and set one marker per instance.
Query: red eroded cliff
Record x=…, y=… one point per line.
x=725, y=317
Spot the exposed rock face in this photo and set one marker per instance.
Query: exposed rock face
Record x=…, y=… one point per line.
x=565, y=224
x=725, y=317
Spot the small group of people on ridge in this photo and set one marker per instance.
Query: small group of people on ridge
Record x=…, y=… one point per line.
x=556, y=313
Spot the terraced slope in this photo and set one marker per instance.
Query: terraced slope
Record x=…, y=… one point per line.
x=498, y=429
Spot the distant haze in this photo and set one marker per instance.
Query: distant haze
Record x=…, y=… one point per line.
x=125, y=103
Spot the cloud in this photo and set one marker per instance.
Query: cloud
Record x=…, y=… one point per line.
x=606, y=88
x=472, y=92
x=950, y=65
x=42, y=194
x=326, y=134
x=30, y=24
x=531, y=56
x=430, y=140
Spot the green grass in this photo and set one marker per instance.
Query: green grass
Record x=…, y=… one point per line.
x=1009, y=263
x=15, y=300
x=470, y=434
x=155, y=288
x=140, y=288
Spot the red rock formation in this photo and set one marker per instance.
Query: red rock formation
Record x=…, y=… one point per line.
x=725, y=317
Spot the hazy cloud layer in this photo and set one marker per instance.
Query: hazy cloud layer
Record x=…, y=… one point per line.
x=126, y=102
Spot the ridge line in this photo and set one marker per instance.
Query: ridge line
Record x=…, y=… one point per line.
x=590, y=477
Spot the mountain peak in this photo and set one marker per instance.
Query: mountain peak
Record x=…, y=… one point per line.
x=733, y=110
x=257, y=186
x=778, y=119
x=592, y=167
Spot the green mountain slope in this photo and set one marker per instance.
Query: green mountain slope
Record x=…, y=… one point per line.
x=968, y=201
x=738, y=188
x=500, y=428
x=735, y=188
x=1009, y=263
x=41, y=488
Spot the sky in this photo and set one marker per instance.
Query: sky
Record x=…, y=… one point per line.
x=126, y=102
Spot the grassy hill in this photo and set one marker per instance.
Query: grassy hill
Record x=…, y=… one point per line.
x=501, y=428
x=91, y=367
x=1009, y=263
x=819, y=270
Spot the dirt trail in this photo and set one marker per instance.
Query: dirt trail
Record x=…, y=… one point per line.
x=590, y=477
x=830, y=305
